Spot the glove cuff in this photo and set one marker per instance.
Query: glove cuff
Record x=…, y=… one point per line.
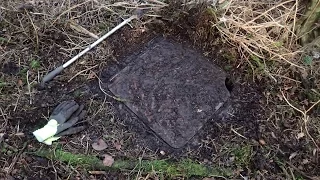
x=49, y=130
x=49, y=140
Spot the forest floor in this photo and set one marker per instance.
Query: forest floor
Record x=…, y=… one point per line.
x=273, y=133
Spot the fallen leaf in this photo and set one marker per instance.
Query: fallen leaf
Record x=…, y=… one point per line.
x=300, y=135
x=292, y=155
x=108, y=160
x=262, y=142
x=305, y=161
x=99, y=145
x=118, y=145
x=91, y=75
x=20, y=83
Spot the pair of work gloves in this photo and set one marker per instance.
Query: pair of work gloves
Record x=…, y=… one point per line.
x=61, y=122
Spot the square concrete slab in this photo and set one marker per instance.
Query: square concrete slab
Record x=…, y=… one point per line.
x=172, y=88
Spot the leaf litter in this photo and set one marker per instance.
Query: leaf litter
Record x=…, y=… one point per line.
x=108, y=160
x=99, y=145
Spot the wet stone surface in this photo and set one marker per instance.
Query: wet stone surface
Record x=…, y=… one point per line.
x=172, y=88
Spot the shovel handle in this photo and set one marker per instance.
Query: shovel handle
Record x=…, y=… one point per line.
x=52, y=74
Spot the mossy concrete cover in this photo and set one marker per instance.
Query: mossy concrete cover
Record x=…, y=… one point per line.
x=172, y=88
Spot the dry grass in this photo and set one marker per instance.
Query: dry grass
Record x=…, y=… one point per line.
x=264, y=32
x=263, y=29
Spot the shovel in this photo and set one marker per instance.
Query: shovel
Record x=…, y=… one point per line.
x=59, y=69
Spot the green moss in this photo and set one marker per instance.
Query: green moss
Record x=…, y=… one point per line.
x=71, y=159
x=257, y=62
x=230, y=57
x=242, y=155
x=184, y=168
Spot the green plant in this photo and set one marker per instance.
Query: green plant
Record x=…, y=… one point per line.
x=35, y=64
x=2, y=83
x=242, y=155
x=307, y=60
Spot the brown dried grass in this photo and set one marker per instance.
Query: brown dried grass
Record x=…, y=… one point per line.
x=261, y=28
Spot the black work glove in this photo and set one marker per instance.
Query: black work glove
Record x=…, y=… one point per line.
x=60, y=123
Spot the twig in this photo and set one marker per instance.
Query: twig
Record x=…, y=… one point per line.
x=294, y=23
x=16, y=104
x=4, y=125
x=83, y=30
x=35, y=31
x=302, y=173
x=73, y=7
x=82, y=72
x=238, y=133
x=15, y=159
x=305, y=117
x=313, y=106
x=29, y=87
x=114, y=97
x=264, y=13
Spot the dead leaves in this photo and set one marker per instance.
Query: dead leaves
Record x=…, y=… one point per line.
x=102, y=145
x=118, y=145
x=99, y=145
x=262, y=141
x=108, y=160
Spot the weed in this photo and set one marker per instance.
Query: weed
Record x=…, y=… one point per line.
x=2, y=40
x=2, y=83
x=35, y=64
x=257, y=62
x=77, y=93
x=242, y=155
x=307, y=60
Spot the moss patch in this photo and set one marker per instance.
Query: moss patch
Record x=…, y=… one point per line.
x=184, y=168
